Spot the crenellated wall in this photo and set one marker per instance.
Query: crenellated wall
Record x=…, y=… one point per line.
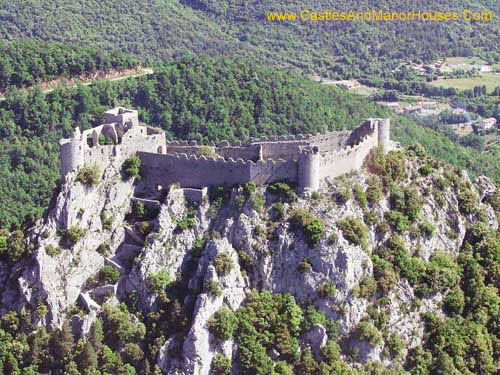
x=304, y=159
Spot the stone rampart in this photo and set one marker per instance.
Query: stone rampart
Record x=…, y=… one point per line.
x=304, y=159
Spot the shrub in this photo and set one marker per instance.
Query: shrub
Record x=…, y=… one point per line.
x=107, y=221
x=427, y=228
x=214, y=288
x=223, y=264
x=257, y=201
x=412, y=268
x=374, y=190
x=327, y=289
x=52, y=250
x=397, y=221
x=367, y=331
x=370, y=218
x=360, y=195
x=354, y=231
x=467, y=202
x=250, y=188
x=88, y=176
x=384, y=273
x=157, y=282
x=394, y=344
x=240, y=201
x=333, y=238
x=454, y=302
x=206, y=151
x=315, y=195
x=109, y=275
x=187, y=222
x=220, y=365
x=132, y=353
x=278, y=210
x=305, y=266
x=311, y=226
x=366, y=288
x=103, y=249
x=72, y=235
x=425, y=170
x=283, y=191
x=131, y=167
x=223, y=323
x=343, y=194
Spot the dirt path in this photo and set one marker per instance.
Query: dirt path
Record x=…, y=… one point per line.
x=52, y=85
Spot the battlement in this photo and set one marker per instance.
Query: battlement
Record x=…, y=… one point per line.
x=305, y=159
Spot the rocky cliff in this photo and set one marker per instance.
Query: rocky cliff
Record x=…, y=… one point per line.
x=366, y=260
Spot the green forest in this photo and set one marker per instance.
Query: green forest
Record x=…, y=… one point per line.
x=163, y=29
x=25, y=63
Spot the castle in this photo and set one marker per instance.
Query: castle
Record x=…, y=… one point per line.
x=303, y=159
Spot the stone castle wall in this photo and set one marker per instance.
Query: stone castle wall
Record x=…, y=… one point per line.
x=304, y=159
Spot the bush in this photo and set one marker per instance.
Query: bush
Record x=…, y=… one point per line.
x=157, y=282
x=278, y=211
x=343, y=194
x=223, y=323
x=103, y=249
x=107, y=221
x=52, y=250
x=220, y=365
x=374, y=190
x=206, y=151
x=257, y=201
x=72, y=235
x=467, y=202
x=240, y=201
x=397, y=221
x=425, y=170
x=223, y=264
x=366, y=288
x=214, y=288
x=88, y=176
x=354, y=231
x=185, y=223
x=360, y=195
x=132, y=354
x=327, y=290
x=311, y=226
x=131, y=167
x=384, y=273
x=368, y=332
x=109, y=275
x=283, y=191
x=305, y=266
x=427, y=228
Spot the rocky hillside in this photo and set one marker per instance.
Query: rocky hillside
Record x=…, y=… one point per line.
x=391, y=270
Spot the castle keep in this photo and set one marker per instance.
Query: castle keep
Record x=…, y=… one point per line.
x=304, y=159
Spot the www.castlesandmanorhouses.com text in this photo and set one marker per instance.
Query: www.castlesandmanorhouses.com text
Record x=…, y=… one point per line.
x=379, y=15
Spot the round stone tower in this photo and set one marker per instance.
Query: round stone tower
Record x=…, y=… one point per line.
x=71, y=153
x=308, y=173
x=384, y=131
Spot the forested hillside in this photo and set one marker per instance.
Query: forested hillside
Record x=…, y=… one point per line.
x=27, y=62
x=160, y=29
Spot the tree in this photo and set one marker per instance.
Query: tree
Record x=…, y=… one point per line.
x=87, y=360
x=61, y=344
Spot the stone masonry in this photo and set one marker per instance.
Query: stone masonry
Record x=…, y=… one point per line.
x=303, y=159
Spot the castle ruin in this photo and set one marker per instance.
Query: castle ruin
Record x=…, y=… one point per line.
x=303, y=159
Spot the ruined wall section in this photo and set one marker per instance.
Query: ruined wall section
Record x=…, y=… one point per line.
x=196, y=172
x=351, y=158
